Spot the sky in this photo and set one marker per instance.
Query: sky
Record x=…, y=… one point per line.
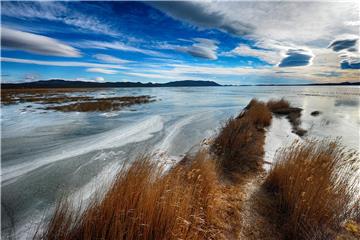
x=238, y=42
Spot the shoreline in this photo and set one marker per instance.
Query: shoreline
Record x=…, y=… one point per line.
x=66, y=84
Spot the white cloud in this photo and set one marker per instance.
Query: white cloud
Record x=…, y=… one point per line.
x=316, y=72
x=314, y=23
x=29, y=42
x=201, y=14
x=347, y=48
x=204, y=48
x=61, y=63
x=201, y=47
x=56, y=11
x=102, y=70
x=277, y=28
x=110, y=59
x=31, y=77
x=99, y=79
x=270, y=56
x=276, y=53
x=194, y=72
x=209, y=70
x=82, y=79
x=157, y=76
x=116, y=45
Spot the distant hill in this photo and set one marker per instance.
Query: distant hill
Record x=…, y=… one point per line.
x=189, y=83
x=59, y=83
x=307, y=84
x=336, y=84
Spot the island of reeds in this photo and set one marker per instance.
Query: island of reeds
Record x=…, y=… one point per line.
x=69, y=99
x=311, y=191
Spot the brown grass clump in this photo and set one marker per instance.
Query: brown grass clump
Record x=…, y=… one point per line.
x=66, y=103
x=315, y=182
x=41, y=95
x=282, y=107
x=240, y=141
x=274, y=105
x=311, y=192
x=186, y=202
x=258, y=113
x=239, y=145
x=102, y=104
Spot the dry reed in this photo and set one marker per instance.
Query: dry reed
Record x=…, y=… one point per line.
x=145, y=202
x=102, y=104
x=293, y=114
x=275, y=105
x=315, y=182
x=240, y=142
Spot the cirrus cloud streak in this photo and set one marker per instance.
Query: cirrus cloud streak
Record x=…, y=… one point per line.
x=102, y=70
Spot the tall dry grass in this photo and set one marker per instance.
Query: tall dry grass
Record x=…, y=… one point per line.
x=275, y=105
x=257, y=113
x=316, y=184
x=240, y=142
x=293, y=114
x=145, y=202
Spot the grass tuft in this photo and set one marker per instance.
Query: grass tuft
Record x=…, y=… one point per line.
x=60, y=99
x=186, y=202
x=258, y=113
x=239, y=144
x=275, y=105
x=293, y=114
x=102, y=104
x=315, y=182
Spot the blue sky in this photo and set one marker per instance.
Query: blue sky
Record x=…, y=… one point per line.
x=227, y=42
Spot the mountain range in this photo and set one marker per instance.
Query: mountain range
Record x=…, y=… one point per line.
x=60, y=83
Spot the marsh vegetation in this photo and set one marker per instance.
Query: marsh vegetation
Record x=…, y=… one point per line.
x=224, y=193
x=293, y=114
x=64, y=100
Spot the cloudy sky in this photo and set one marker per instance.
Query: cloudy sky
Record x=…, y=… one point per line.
x=227, y=42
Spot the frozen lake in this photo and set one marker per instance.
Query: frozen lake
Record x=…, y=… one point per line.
x=44, y=154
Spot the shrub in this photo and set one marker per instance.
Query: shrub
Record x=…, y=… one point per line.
x=315, y=182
